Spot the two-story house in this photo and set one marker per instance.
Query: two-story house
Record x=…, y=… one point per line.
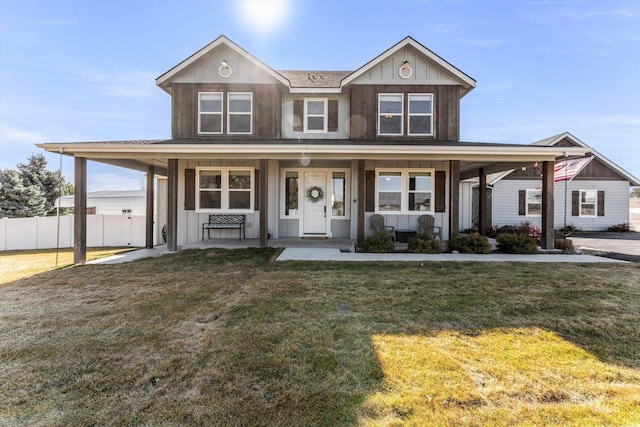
x=314, y=153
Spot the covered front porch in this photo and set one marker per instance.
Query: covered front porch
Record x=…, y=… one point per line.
x=361, y=164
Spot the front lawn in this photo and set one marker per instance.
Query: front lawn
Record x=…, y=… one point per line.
x=230, y=338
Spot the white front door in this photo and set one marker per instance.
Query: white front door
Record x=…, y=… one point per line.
x=314, y=205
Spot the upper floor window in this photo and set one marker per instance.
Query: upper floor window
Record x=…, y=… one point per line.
x=240, y=108
x=210, y=112
x=239, y=113
x=224, y=189
x=315, y=115
x=405, y=190
x=420, y=114
x=390, y=113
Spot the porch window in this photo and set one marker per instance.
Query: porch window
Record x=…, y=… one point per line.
x=239, y=108
x=338, y=194
x=224, y=189
x=420, y=114
x=534, y=203
x=315, y=115
x=210, y=112
x=291, y=193
x=420, y=191
x=390, y=113
x=389, y=191
x=405, y=190
x=588, y=202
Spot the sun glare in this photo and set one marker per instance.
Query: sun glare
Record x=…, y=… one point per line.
x=264, y=16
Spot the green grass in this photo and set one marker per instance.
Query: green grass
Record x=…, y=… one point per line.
x=231, y=338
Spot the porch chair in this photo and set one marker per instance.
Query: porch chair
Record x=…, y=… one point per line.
x=426, y=224
x=377, y=223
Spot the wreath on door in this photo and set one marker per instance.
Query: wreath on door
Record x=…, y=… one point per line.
x=315, y=194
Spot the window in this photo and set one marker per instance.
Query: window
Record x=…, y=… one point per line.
x=338, y=194
x=405, y=190
x=291, y=193
x=588, y=202
x=420, y=191
x=224, y=189
x=210, y=112
x=534, y=203
x=126, y=211
x=239, y=108
x=390, y=114
x=315, y=115
x=420, y=114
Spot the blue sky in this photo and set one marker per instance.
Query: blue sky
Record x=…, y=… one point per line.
x=85, y=70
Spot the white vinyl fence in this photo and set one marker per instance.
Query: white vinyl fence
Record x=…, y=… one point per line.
x=102, y=230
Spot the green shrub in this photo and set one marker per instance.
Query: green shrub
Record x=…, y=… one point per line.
x=564, y=244
x=379, y=243
x=469, y=244
x=424, y=244
x=516, y=244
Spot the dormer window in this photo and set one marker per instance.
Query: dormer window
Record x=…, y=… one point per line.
x=315, y=115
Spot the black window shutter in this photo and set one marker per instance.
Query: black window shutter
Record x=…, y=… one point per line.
x=441, y=191
x=575, y=203
x=522, y=202
x=298, y=115
x=370, y=191
x=189, y=189
x=332, y=125
x=601, y=203
x=256, y=190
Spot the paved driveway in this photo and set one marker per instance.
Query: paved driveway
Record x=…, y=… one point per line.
x=615, y=243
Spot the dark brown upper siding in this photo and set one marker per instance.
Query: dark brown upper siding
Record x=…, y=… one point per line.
x=594, y=171
x=364, y=110
x=267, y=110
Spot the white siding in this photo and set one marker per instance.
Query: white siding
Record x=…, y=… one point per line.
x=505, y=204
x=206, y=69
x=424, y=72
x=288, y=119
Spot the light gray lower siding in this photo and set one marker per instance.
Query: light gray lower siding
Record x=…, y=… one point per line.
x=505, y=204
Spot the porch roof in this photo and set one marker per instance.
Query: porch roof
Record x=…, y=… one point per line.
x=139, y=154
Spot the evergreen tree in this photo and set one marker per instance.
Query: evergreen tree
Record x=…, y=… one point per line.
x=51, y=184
x=18, y=200
x=32, y=190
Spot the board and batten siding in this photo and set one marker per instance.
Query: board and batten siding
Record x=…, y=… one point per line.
x=266, y=110
x=616, y=209
x=190, y=221
x=289, y=119
x=364, y=110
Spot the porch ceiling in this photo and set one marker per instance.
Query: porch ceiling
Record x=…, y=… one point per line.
x=138, y=155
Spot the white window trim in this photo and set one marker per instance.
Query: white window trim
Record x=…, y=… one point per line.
x=328, y=192
x=595, y=204
x=401, y=114
x=200, y=113
x=229, y=113
x=404, y=191
x=325, y=116
x=409, y=115
x=224, y=197
x=526, y=202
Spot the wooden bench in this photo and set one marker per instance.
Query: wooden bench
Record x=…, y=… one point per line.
x=224, y=221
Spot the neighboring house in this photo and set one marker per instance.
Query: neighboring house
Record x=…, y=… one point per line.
x=131, y=202
x=312, y=153
x=594, y=199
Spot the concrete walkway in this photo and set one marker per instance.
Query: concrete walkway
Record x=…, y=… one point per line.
x=337, y=250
